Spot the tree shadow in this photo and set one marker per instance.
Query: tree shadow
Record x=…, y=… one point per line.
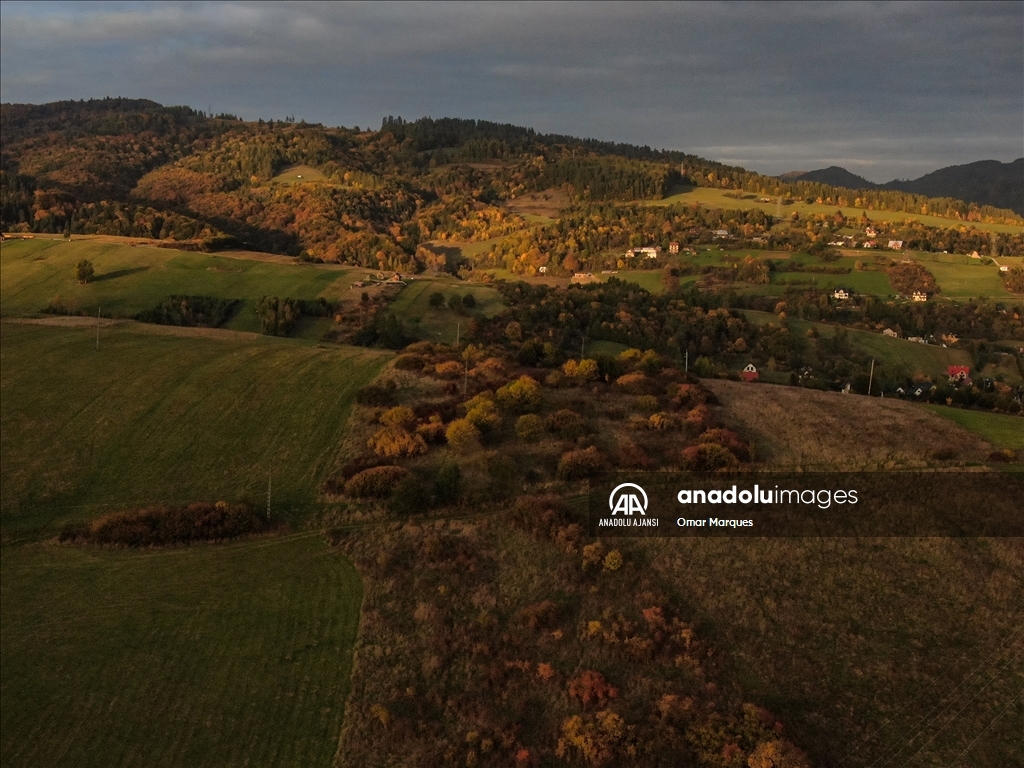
x=118, y=273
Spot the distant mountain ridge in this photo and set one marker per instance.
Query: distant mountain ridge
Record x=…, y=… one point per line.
x=985, y=182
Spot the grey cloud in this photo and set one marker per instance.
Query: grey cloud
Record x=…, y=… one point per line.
x=887, y=87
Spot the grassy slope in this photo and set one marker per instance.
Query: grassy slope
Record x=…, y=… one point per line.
x=715, y=198
x=131, y=279
x=153, y=417
x=999, y=429
x=412, y=306
x=857, y=643
x=898, y=354
x=227, y=655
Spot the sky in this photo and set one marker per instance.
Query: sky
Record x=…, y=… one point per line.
x=886, y=90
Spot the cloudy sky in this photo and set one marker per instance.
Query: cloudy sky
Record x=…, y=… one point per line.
x=884, y=89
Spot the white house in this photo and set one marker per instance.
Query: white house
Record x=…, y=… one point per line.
x=895, y=245
x=919, y=296
x=648, y=252
x=890, y=333
x=841, y=294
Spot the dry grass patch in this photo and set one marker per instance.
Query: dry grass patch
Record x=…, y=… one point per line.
x=799, y=427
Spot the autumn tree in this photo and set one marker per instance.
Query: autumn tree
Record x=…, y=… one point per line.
x=84, y=271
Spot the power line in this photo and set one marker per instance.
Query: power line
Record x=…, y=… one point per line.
x=982, y=732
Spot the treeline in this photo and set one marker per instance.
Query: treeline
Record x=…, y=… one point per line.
x=164, y=525
x=195, y=311
x=279, y=316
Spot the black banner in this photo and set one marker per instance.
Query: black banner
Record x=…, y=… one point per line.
x=754, y=504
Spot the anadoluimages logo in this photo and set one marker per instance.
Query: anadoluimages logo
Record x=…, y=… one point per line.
x=623, y=500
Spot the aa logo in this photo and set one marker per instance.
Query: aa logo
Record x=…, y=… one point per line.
x=626, y=500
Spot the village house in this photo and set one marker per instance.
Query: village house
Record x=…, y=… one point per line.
x=871, y=232
x=720, y=233
x=895, y=245
x=841, y=294
x=959, y=374
x=919, y=296
x=750, y=373
x=583, y=278
x=542, y=270
x=890, y=333
x=673, y=247
x=870, y=244
x=647, y=252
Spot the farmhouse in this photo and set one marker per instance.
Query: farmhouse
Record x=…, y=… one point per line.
x=719, y=233
x=673, y=247
x=959, y=374
x=919, y=296
x=647, y=252
x=890, y=333
x=750, y=373
x=870, y=244
x=895, y=245
x=582, y=278
x=841, y=294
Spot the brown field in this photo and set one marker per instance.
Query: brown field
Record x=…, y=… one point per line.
x=547, y=203
x=788, y=426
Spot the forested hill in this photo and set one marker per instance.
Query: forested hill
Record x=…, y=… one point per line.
x=134, y=167
x=986, y=182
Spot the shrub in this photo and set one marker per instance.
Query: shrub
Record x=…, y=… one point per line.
x=469, y=301
x=462, y=436
x=577, y=465
x=708, y=457
x=484, y=415
x=530, y=427
x=613, y=560
x=156, y=526
x=636, y=384
x=455, y=302
x=448, y=484
x=436, y=300
x=632, y=456
x=521, y=395
x=568, y=424
x=394, y=443
x=432, y=431
x=647, y=403
x=409, y=362
x=593, y=555
x=590, y=687
x=377, y=394
x=376, y=482
x=663, y=421
x=401, y=417
x=449, y=369
x=583, y=370
x=729, y=439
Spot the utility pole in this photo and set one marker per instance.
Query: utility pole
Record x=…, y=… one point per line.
x=458, y=331
x=583, y=346
x=871, y=376
x=686, y=359
x=270, y=475
x=465, y=383
x=98, y=327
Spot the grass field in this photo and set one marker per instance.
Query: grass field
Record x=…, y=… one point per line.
x=999, y=429
x=225, y=655
x=297, y=174
x=131, y=279
x=154, y=416
x=412, y=306
x=716, y=198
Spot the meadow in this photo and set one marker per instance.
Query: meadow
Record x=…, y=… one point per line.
x=216, y=655
x=129, y=279
x=717, y=198
x=412, y=306
x=161, y=414
x=999, y=429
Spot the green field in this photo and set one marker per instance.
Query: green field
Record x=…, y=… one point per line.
x=716, y=198
x=131, y=279
x=412, y=306
x=156, y=416
x=217, y=655
x=999, y=429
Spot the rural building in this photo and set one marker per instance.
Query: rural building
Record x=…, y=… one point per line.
x=1004, y=269
x=871, y=232
x=841, y=294
x=959, y=374
x=647, y=252
x=582, y=278
x=542, y=270
x=870, y=244
x=720, y=233
x=673, y=247
x=895, y=245
x=890, y=333
x=919, y=296
x=750, y=373
x=975, y=255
